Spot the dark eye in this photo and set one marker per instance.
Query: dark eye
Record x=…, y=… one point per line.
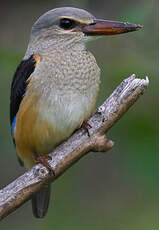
x=67, y=24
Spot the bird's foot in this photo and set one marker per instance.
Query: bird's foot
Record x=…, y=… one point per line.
x=86, y=126
x=43, y=160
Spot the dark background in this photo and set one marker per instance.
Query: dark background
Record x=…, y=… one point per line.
x=117, y=190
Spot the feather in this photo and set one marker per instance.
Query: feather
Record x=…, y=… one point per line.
x=40, y=202
x=18, y=89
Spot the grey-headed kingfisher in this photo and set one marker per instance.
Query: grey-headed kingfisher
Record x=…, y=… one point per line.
x=55, y=87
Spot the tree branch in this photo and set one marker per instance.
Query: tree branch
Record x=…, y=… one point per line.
x=70, y=151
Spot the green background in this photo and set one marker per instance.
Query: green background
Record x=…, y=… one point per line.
x=118, y=190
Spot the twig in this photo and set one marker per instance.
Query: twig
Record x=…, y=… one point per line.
x=21, y=190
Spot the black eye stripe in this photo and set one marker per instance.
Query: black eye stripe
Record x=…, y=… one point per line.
x=67, y=24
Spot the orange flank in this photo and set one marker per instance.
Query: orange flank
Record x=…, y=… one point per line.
x=32, y=133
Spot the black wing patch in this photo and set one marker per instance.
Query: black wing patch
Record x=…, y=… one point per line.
x=19, y=85
x=18, y=89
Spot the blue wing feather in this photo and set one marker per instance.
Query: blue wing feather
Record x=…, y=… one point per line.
x=13, y=125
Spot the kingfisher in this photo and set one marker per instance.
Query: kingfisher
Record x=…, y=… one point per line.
x=55, y=87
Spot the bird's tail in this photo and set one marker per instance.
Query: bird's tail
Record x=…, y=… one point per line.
x=40, y=202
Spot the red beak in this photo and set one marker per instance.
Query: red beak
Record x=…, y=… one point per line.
x=105, y=27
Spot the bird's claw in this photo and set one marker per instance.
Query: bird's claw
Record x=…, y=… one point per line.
x=43, y=160
x=86, y=126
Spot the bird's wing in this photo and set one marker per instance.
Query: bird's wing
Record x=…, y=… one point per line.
x=19, y=86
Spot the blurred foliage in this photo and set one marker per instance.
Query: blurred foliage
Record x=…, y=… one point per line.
x=118, y=190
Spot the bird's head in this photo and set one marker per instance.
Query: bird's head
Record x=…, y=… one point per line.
x=67, y=25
